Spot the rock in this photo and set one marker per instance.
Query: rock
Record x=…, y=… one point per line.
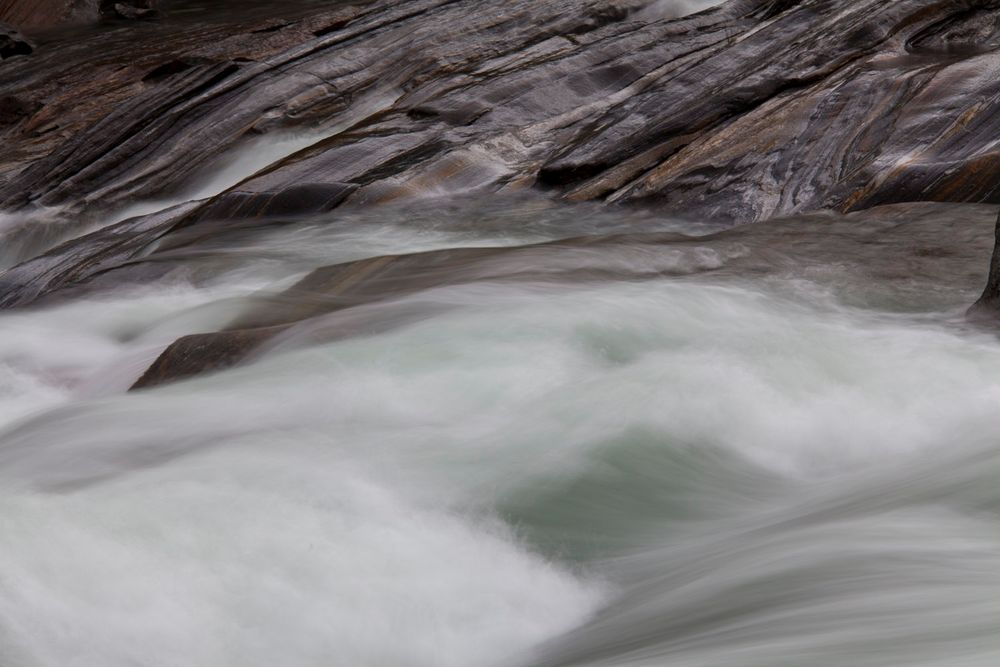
x=12, y=43
x=81, y=259
x=27, y=14
x=291, y=202
x=986, y=310
x=42, y=14
x=750, y=111
x=165, y=78
x=735, y=113
x=15, y=109
x=946, y=245
x=136, y=9
x=202, y=353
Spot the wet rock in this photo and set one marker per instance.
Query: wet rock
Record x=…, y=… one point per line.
x=986, y=310
x=971, y=30
x=80, y=260
x=202, y=353
x=291, y=202
x=752, y=110
x=946, y=244
x=135, y=9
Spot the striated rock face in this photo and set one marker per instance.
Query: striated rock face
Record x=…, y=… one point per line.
x=41, y=14
x=27, y=14
x=753, y=109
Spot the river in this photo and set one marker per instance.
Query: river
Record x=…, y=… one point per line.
x=709, y=468
x=586, y=435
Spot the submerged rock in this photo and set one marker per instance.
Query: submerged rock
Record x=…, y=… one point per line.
x=203, y=353
x=886, y=246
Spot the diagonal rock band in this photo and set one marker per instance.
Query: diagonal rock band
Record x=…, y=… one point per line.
x=751, y=111
x=704, y=114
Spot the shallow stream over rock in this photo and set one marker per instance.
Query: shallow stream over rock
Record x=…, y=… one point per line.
x=682, y=447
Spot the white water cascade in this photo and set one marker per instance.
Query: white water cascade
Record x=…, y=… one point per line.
x=678, y=472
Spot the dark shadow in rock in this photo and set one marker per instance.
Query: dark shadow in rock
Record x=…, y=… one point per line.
x=15, y=109
x=13, y=43
x=296, y=200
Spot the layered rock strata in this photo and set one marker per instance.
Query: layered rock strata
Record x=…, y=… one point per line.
x=753, y=110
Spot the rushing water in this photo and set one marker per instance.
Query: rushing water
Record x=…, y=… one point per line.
x=784, y=454
x=720, y=469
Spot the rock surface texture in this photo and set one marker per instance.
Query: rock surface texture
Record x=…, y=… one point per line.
x=887, y=246
x=753, y=109
x=749, y=111
x=28, y=14
x=44, y=14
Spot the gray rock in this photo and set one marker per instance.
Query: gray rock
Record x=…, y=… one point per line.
x=926, y=254
x=751, y=110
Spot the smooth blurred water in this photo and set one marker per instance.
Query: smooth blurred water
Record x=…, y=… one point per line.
x=702, y=471
x=678, y=8
x=784, y=454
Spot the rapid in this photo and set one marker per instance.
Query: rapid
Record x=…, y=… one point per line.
x=613, y=438
x=715, y=467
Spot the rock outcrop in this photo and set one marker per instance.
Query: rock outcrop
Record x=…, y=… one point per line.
x=888, y=245
x=44, y=14
x=749, y=111
x=753, y=109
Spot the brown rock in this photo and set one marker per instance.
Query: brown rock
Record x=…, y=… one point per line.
x=35, y=14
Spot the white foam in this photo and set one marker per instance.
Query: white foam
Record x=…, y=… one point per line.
x=342, y=504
